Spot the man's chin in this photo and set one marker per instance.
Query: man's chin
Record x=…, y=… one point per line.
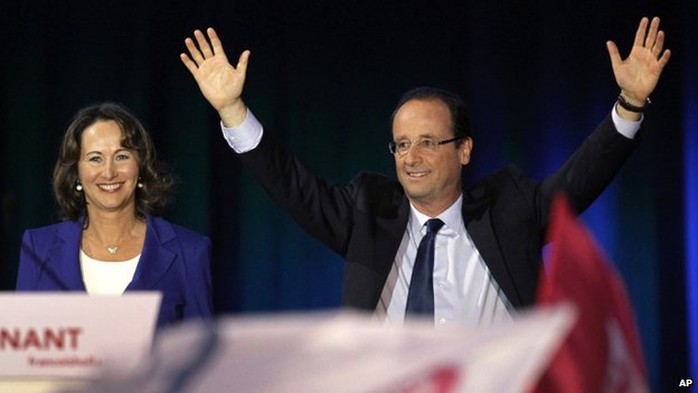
x=416, y=195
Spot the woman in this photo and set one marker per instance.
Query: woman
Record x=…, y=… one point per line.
x=109, y=186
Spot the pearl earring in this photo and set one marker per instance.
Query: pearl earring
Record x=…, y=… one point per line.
x=78, y=187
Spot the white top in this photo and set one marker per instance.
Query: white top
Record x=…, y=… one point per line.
x=107, y=278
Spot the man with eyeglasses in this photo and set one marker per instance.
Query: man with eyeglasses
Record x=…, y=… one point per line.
x=484, y=255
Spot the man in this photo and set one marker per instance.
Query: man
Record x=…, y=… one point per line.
x=485, y=253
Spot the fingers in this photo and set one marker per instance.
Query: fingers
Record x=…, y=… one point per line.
x=640, y=33
x=648, y=37
x=613, y=53
x=664, y=59
x=655, y=42
x=204, y=46
x=215, y=41
x=201, y=50
x=189, y=63
x=195, y=55
x=651, y=38
x=242, y=62
x=658, y=44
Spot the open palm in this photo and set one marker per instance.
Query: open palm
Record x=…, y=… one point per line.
x=219, y=82
x=638, y=74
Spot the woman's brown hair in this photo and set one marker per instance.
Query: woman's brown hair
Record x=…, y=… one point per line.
x=157, y=183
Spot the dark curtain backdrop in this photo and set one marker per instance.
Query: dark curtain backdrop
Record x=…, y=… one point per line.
x=325, y=77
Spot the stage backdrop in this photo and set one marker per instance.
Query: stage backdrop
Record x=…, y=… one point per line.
x=325, y=76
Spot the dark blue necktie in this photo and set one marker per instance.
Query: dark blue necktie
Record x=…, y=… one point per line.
x=420, y=299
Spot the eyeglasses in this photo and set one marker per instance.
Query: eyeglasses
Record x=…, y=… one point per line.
x=401, y=147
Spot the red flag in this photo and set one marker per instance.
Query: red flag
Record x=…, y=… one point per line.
x=602, y=352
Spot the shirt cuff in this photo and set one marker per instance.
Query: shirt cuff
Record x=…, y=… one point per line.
x=246, y=136
x=624, y=127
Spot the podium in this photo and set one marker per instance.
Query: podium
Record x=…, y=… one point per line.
x=50, y=340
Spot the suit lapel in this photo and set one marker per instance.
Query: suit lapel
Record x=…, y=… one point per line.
x=478, y=222
x=156, y=258
x=390, y=229
x=63, y=265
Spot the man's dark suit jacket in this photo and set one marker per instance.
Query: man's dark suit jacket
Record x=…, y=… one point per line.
x=506, y=214
x=175, y=261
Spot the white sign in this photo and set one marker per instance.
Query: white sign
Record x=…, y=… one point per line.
x=74, y=335
x=345, y=353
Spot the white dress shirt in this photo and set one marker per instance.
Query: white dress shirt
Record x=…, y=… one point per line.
x=464, y=291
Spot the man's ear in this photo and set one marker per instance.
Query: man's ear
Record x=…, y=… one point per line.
x=465, y=149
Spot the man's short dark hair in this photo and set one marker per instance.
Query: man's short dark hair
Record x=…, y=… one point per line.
x=460, y=121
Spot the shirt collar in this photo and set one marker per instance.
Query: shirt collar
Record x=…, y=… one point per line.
x=452, y=217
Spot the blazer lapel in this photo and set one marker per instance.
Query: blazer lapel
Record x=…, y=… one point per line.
x=63, y=265
x=156, y=258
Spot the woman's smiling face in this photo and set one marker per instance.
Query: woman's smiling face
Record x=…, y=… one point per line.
x=107, y=171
